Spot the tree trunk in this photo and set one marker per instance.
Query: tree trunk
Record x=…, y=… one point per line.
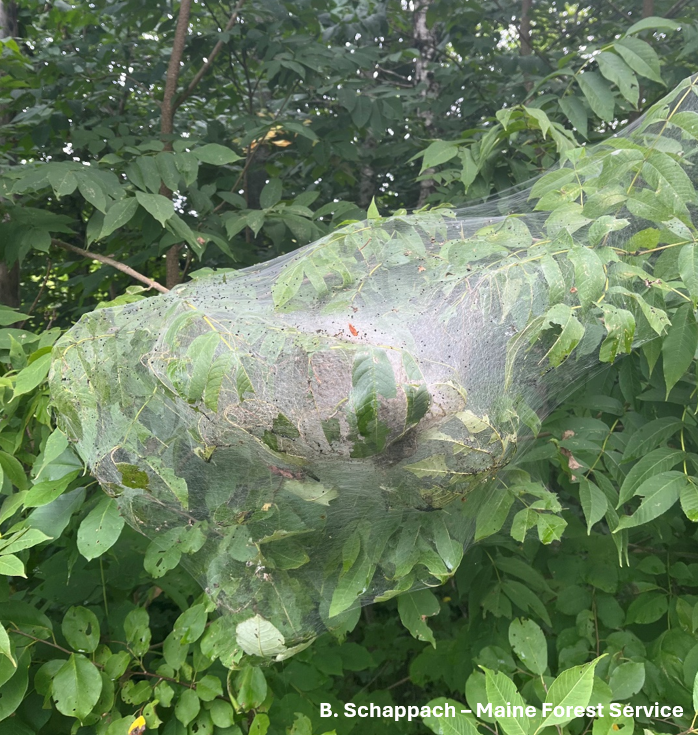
x=647, y=8
x=173, y=274
x=367, y=180
x=525, y=47
x=525, y=28
x=425, y=40
x=9, y=276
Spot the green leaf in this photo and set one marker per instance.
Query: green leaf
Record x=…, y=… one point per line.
x=598, y=94
x=14, y=689
x=656, y=461
x=660, y=492
x=627, y=680
x=688, y=269
x=653, y=23
x=617, y=71
x=689, y=499
x=100, y=529
x=259, y=637
x=594, y=502
x=76, y=687
x=137, y=630
x=55, y=445
x=574, y=110
x=10, y=316
x=460, y=724
x=252, y=687
x=438, y=152
x=501, y=692
x=119, y=214
x=414, y=608
x=373, y=212
x=187, y=707
x=215, y=154
x=695, y=692
x=11, y=566
x=647, y=608
x=679, y=346
x=270, y=194
x=5, y=646
x=160, y=207
x=528, y=643
x=47, y=491
x=33, y=375
x=571, y=689
x=649, y=436
x=81, y=629
x=640, y=57
x=190, y=625
x=550, y=527
x=259, y=725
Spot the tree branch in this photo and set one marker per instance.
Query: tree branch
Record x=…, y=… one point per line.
x=168, y=108
x=111, y=262
x=209, y=61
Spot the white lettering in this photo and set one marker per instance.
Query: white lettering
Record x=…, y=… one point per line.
x=326, y=709
x=349, y=710
x=412, y=713
x=440, y=709
x=614, y=709
x=400, y=711
x=363, y=711
x=485, y=709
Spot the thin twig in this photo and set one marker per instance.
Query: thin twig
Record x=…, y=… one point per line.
x=113, y=263
x=209, y=61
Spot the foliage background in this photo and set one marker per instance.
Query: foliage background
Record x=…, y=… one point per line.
x=220, y=159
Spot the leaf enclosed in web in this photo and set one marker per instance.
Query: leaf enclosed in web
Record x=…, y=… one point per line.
x=259, y=637
x=679, y=346
x=571, y=332
x=589, y=274
x=372, y=377
x=351, y=585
